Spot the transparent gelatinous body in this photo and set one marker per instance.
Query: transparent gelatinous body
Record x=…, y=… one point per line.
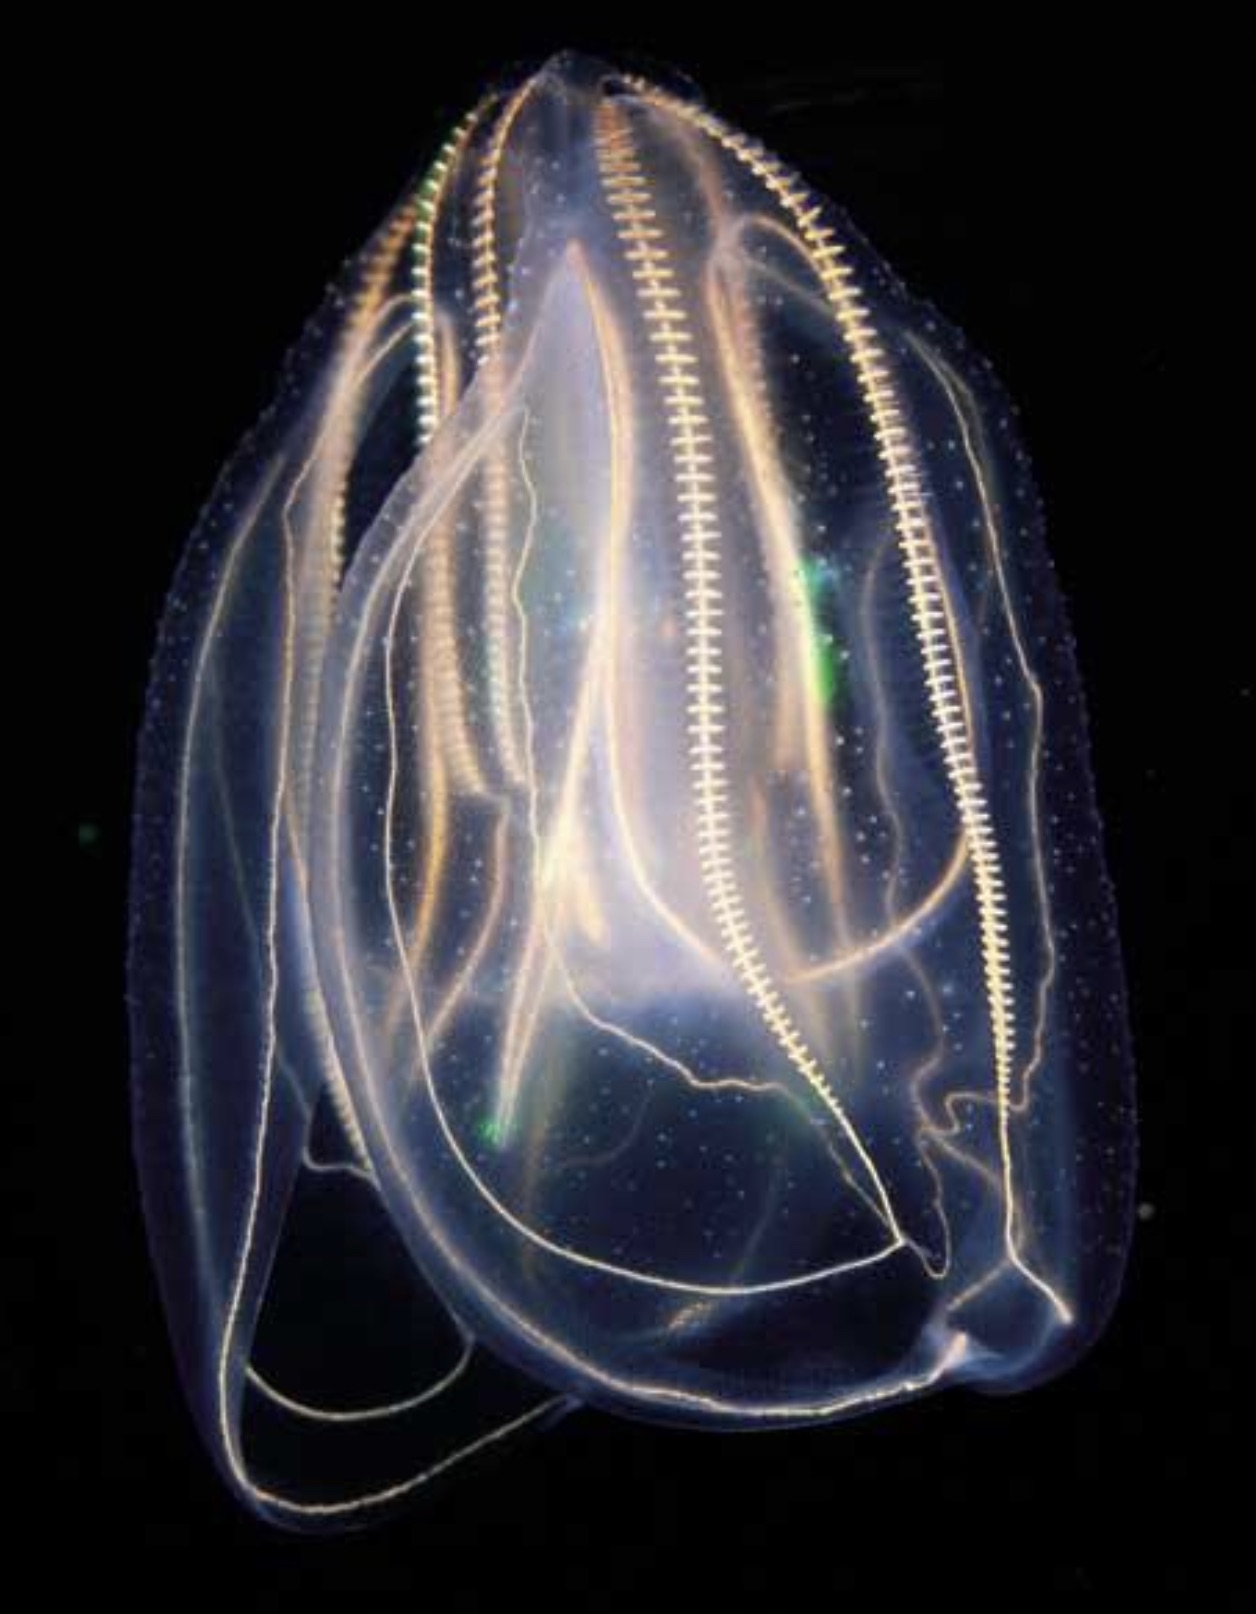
x=616, y=876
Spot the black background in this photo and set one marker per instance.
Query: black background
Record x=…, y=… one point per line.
x=1064, y=199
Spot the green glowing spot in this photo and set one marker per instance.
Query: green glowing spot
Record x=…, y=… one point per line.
x=820, y=579
x=491, y=1131
x=88, y=834
x=824, y=667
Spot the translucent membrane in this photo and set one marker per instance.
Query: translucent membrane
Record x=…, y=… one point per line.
x=619, y=914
